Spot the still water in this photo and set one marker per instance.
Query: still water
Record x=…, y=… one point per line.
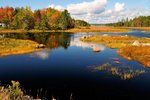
x=65, y=69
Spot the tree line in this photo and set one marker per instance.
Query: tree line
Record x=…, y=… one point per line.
x=141, y=21
x=43, y=19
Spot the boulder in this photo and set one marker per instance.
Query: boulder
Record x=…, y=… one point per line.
x=40, y=46
x=105, y=34
x=84, y=37
x=96, y=49
x=136, y=43
x=116, y=62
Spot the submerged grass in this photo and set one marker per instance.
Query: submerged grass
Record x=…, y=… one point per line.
x=14, y=46
x=140, y=53
x=124, y=72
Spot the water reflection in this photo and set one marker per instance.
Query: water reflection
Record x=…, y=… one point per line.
x=51, y=40
x=76, y=42
x=124, y=72
x=43, y=54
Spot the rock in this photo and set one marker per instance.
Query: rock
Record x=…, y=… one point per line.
x=84, y=37
x=136, y=43
x=40, y=46
x=105, y=35
x=96, y=49
x=116, y=62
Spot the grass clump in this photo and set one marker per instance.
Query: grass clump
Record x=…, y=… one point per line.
x=13, y=92
x=124, y=72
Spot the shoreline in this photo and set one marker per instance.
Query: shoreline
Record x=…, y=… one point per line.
x=146, y=29
x=91, y=29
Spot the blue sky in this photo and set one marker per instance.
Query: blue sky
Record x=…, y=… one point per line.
x=37, y=4
x=93, y=11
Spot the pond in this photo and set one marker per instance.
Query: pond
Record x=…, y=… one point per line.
x=65, y=69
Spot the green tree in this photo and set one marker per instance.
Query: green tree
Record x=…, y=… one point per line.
x=44, y=24
x=65, y=20
x=37, y=19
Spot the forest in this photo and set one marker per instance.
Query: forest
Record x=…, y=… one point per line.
x=141, y=21
x=41, y=19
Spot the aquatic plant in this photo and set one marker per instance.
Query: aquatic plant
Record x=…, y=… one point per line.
x=124, y=72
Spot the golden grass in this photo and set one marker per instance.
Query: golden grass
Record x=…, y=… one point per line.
x=81, y=29
x=115, y=41
x=138, y=53
x=124, y=72
x=124, y=44
x=13, y=46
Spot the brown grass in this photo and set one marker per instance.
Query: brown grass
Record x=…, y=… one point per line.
x=13, y=46
x=81, y=29
x=138, y=53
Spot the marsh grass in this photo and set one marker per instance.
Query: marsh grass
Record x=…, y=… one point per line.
x=124, y=72
x=138, y=53
x=79, y=29
x=15, y=46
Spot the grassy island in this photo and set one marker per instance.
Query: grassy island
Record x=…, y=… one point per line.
x=131, y=48
x=15, y=46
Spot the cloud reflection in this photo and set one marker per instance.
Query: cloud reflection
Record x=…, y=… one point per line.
x=43, y=54
x=78, y=43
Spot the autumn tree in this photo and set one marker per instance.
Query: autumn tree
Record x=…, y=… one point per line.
x=6, y=16
x=37, y=19
x=23, y=19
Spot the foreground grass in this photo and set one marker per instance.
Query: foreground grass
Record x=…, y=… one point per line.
x=81, y=29
x=13, y=92
x=124, y=44
x=13, y=46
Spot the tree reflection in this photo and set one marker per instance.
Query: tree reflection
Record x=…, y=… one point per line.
x=124, y=72
x=51, y=40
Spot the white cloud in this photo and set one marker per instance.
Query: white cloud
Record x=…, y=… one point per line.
x=96, y=11
x=96, y=6
x=58, y=7
x=119, y=7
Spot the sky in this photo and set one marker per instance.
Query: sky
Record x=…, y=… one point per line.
x=92, y=11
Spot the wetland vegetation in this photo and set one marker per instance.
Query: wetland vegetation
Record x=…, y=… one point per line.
x=123, y=72
x=131, y=48
x=9, y=46
x=53, y=51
